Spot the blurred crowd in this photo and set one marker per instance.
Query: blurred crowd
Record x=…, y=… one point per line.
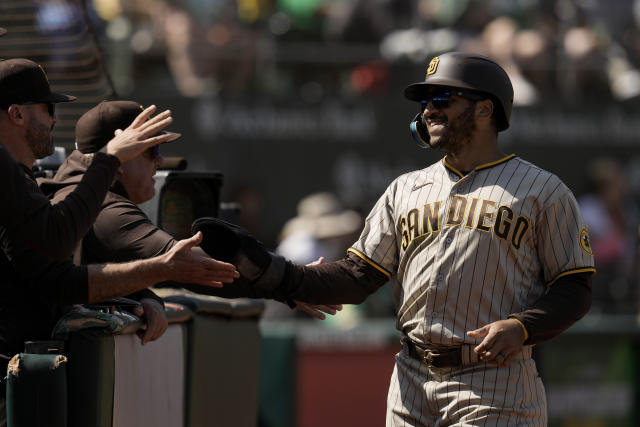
x=569, y=51
x=558, y=53
x=611, y=209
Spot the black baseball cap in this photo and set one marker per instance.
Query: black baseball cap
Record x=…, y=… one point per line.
x=23, y=81
x=96, y=127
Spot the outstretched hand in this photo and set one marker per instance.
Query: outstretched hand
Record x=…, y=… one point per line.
x=318, y=310
x=502, y=340
x=187, y=266
x=141, y=134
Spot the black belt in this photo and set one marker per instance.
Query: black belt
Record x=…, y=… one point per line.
x=440, y=358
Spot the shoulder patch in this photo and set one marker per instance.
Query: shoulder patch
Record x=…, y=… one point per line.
x=433, y=65
x=585, y=244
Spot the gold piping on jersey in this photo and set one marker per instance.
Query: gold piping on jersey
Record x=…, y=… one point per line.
x=497, y=162
x=575, y=271
x=524, y=328
x=479, y=167
x=585, y=244
x=371, y=263
x=451, y=168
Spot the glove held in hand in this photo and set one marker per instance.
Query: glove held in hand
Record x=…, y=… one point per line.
x=233, y=244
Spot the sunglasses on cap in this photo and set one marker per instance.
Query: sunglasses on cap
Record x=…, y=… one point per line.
x=442, y=99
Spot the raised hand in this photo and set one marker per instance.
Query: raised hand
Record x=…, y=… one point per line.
x=141, y=134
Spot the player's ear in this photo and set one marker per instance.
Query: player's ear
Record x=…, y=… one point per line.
x=15, y=114
x=484, y=108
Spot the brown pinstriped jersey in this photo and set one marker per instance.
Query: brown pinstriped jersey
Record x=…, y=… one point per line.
x=471, y=249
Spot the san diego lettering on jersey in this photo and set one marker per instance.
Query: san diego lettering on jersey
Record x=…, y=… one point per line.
x=475, y=213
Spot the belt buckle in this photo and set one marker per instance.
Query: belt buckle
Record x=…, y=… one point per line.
x=429, y=358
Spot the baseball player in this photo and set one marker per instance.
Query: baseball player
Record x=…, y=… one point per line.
x=490, y=252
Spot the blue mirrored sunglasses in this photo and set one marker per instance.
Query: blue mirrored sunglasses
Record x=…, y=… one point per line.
x=442, y=99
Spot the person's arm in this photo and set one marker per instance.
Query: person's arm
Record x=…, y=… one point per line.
x=347, y=281
x=180, y=264
x=564, y=303
x=54, y=230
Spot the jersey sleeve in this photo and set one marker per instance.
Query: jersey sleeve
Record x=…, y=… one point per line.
x=563, y=239
x=378, y=244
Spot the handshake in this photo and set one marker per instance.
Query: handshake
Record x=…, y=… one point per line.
x=230, y=243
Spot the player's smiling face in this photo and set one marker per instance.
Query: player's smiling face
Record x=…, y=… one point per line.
x=450, y=127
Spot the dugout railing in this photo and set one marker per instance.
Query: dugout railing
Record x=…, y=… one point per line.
x=203, y=371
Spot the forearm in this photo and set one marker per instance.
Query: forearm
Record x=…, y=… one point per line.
x=348, y=281
x=564, y=303
x=107, y=281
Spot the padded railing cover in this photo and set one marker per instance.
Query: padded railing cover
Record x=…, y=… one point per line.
x=37, y=391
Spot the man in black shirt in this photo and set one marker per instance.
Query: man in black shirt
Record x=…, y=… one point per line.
x=33, y=289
